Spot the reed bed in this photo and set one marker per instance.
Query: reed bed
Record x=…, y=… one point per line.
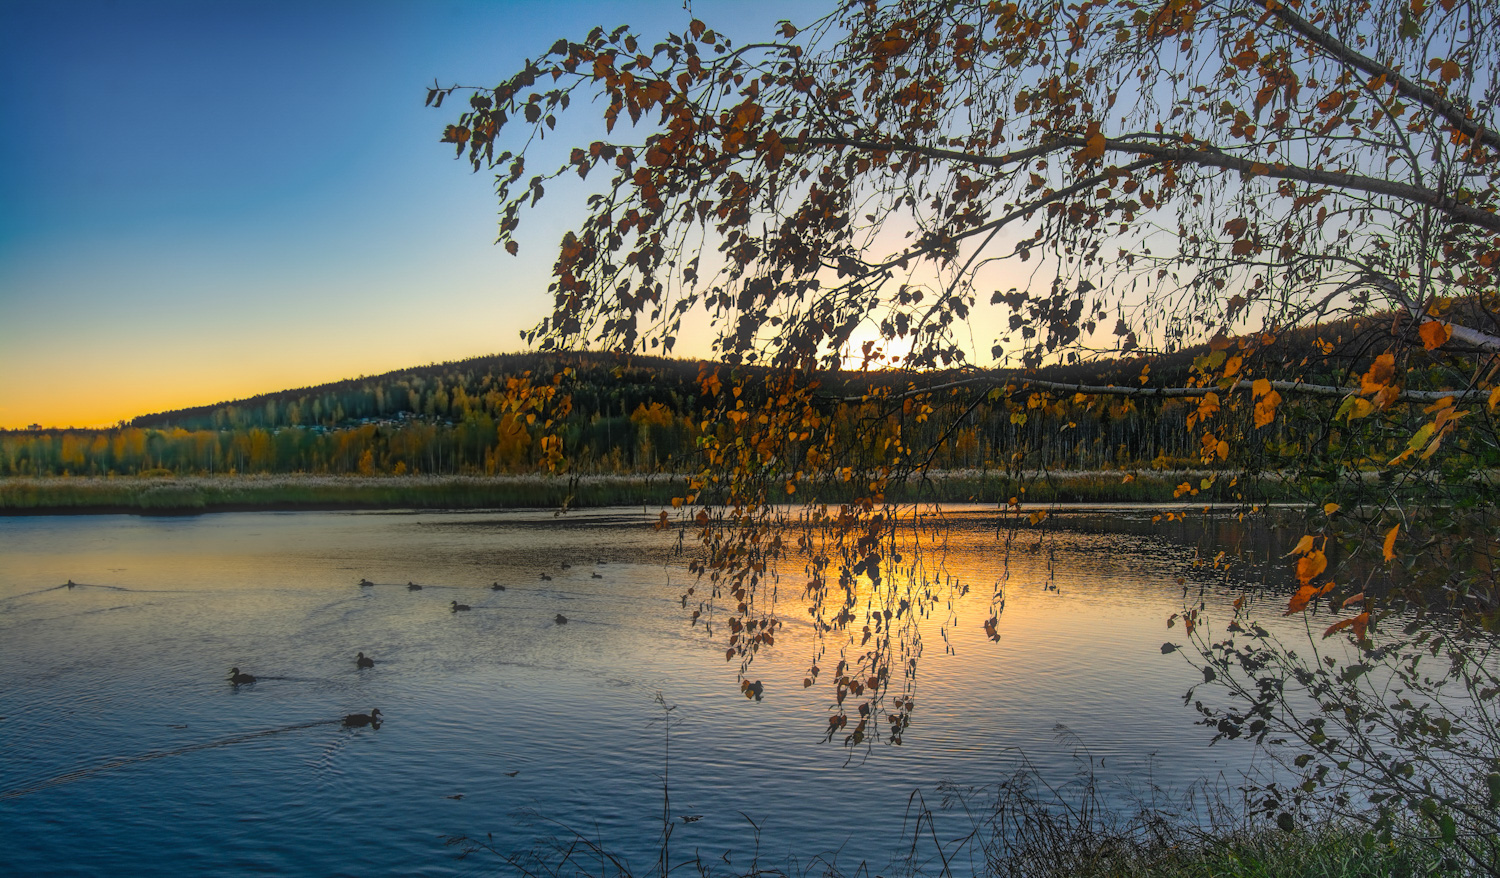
x=184, y=493
x=162, y=494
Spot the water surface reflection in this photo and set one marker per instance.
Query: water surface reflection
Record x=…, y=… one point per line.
x=125, y=747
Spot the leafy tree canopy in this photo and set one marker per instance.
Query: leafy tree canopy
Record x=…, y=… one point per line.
x=1072, y=180
x=1167, y=170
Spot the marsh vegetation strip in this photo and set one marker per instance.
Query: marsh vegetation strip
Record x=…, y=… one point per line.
x=167, y=494
x=497, y=717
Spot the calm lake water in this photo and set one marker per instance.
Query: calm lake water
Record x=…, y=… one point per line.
x=123, y=750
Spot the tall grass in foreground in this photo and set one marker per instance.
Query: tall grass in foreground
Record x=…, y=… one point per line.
x=1028, y=830
x=1023, y=828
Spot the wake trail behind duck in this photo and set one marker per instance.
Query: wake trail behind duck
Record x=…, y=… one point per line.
x=83, y=773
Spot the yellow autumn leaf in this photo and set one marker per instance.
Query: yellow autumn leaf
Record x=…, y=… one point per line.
x=1495, y=396
x=1390, y=543
x=1331, y=508
x=1303, y=546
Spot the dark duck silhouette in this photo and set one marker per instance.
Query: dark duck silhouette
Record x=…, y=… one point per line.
x=546, y=578
x=460, y=608
x=560, y=619
x=365, y=583
x=412, y=586
x=360, y=720
x=236, y=678
x=595, y=576
x=362, y=661
x=495, y=586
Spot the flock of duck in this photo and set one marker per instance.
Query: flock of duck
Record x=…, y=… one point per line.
x=362, y=661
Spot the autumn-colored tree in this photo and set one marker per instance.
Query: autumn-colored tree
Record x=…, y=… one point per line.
x=1067, y=181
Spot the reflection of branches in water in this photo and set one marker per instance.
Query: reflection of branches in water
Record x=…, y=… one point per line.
x=873, y=574
x=83, y=773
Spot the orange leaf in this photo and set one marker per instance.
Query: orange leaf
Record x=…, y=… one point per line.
x=1337, y=627
x=1390, y=543
x=1379, y=375
x=1435, y=334
x=1299, y=601
x=1265, y=408
x=1303, y=546
x=1093, y=144
x=1310, y=565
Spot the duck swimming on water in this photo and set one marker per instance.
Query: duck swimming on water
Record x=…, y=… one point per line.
x=236, y=678
x=546, y=578
x=495, y=586
x=364, y=583
x=360, y=720
x=412, y=586
x=460, y=608
x=560, y=619
x=361, y=661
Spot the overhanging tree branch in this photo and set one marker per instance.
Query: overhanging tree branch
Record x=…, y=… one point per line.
x=1451, y=112
x=1295, y=387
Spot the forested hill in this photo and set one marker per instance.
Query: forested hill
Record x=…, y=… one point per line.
x=628, y=414
x=613, y=385
x=607, y=384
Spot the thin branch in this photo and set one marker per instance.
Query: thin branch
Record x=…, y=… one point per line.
x=1203, y=156
x=1454, y=114
x=1416, y=396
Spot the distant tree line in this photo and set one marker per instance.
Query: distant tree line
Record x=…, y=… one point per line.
x=627, y=415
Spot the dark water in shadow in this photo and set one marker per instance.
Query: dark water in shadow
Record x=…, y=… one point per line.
x=123, y=750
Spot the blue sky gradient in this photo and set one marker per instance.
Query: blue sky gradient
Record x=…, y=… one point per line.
x=206, y=200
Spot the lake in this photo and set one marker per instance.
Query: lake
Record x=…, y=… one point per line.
x=123, y=748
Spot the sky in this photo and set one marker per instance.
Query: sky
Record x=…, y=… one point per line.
x=202, y=200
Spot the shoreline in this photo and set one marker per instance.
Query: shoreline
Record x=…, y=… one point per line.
x=192, y=495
